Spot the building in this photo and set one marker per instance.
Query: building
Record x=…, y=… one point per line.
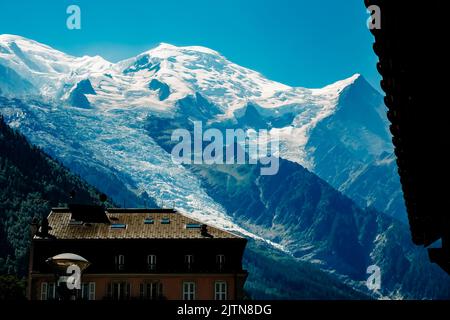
x=138, y=254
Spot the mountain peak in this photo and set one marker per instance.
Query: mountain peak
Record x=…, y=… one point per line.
x=13, y=37
x=341, y=84
x=167, y=47
x=10, y=37
x=338, y=86
x=16, y=39
x=164, y=46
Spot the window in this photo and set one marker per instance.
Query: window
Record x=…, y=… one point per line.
x=189, y=261
x=74, y=222
x=151, y=262
x=88, y=291
x=119, y=290
x=148, y=221
x=119, y=261
x=188, y=290
x=150, y=290
x=118, y=226
x=165, y=221
x=85, y=291
x=44, y=287
x=220, y=261
x=48, y=291
x=193, y=226
x=220, y=290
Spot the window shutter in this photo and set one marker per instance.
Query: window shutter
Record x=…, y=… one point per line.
x=160, y=291
x=52, y=291
x=109, y=290
x=44, y=291
x=225, y=291
x=128, y=290
x=91, y=290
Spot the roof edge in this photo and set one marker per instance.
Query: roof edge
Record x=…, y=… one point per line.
x=121, y=210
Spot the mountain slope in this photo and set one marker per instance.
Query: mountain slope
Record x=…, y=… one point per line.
x=30, y=184
x=377, y=185
x=352, y=150
x=291, y=279
x=113, y=153
x=318, y=224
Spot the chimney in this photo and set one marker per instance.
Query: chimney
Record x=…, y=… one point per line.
x=34, y=226
x=44, y=228
x=204, y=230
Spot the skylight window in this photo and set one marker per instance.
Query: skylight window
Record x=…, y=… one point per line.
x=74, y=222
x=165, y=221
x=148, y=221
x=193, y=226
x=118, y=226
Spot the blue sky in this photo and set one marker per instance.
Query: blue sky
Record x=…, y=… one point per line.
x=307, y=43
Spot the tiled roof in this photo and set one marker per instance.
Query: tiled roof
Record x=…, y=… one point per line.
x=135, y=228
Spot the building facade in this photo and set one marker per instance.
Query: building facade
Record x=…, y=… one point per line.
x=146, y=254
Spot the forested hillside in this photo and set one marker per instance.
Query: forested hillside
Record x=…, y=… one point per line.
x=30, y=184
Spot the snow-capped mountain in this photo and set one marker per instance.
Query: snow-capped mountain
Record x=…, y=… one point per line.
x=46, y=70
x=181, y=71
x=111, y=124
x=156, y=80
x=154, y=83
x=352, y=150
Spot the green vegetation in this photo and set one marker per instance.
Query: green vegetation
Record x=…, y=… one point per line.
x=30, y=184
x=273, y=275
x=11, y=288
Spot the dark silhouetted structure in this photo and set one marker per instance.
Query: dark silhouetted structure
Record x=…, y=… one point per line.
x=412, y=50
